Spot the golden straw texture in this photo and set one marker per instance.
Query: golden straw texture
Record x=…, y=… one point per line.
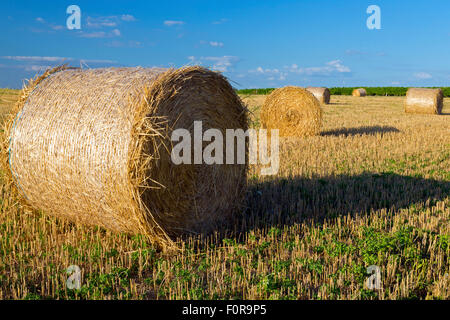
x=361, y=92
x=93, y=146
x=426, y=101
x=292, y=110
x=321, y=94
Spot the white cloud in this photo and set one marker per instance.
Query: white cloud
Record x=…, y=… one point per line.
x=108, y=21
x=121, y=44
x=135, y=44
x=49, y=25
x=100, y=61
x=423, y=75
x=98, y=34
x=223, y=20
x=36, y=68
x=93, y=23
x=171, y=23
x=34, y=58
x=54, y=59
x=267, y=71
x=331, y=67
x=101, y=22
x=338, y=66
x=222, y=64
x=128, y=18
x=216, y=44
x=57, y=27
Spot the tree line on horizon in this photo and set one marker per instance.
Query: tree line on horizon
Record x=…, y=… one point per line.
x=347, y=91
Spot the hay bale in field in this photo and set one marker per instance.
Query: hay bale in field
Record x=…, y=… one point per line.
x=293, y=110
x=361, y=92
x=321, y=94
x=93, y=146
x=426, y=101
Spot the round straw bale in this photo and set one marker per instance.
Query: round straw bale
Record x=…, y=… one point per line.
x=361, y=92
x=427, y=101
x=322, y=94
x=94, y=147
x=293, y=111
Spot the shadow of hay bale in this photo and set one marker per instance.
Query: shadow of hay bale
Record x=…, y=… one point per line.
x=367, y=130
x=339, y=104
x=284, y=202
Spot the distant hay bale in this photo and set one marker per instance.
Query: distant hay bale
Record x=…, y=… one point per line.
x=426, y=101
x=321, y=94
x=293, y=110
x=93, y=146
x=361, y=92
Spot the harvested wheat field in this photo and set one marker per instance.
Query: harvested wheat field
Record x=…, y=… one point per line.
x=7, y=98
x=373, y=188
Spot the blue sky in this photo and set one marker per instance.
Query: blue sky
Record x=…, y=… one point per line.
x=254, y=43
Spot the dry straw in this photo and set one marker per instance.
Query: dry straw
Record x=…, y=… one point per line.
x=322, y=94
x=294, y=111
x=93, y=146
x=361, y=92
x=427, y=101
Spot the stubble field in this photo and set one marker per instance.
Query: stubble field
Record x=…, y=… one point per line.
x=372, y=190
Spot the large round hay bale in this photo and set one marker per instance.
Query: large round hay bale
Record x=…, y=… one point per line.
x=93, y=146
x=361, y=92
x=426, y=101
x=321, y=94
x=293, y=111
